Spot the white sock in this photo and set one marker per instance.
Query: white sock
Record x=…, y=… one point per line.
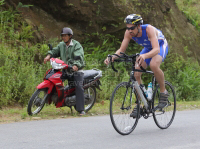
x=165, y=92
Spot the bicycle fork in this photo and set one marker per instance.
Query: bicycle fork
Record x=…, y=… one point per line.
x=129, y=107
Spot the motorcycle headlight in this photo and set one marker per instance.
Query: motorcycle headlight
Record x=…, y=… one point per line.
x=56, y=65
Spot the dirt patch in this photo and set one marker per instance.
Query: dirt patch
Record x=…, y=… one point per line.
x=89, y=16
x=18, y=114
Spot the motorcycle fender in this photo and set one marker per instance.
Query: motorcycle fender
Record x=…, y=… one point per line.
x=60, y=91
x=46, y=84
x=98, y=83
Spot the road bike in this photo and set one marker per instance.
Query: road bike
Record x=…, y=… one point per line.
x=129, y=94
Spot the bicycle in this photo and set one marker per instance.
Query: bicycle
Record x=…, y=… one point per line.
x=125, y=93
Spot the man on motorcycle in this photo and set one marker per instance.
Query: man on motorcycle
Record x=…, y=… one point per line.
x=71, y=52
x=153, y=54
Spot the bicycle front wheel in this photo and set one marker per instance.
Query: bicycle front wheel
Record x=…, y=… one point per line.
x=122, y=103
x=164, y=118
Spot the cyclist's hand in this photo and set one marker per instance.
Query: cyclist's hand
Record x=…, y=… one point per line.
x=47, y=58
x=140, y=59
x=106, y=61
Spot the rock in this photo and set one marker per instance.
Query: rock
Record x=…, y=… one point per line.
x=107, y=17
x=36, y=118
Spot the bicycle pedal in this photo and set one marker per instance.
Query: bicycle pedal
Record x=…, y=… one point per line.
x=165, y=106
x=159, y=109
x=155, y=109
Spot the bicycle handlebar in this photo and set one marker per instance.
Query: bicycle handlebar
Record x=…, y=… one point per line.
x=125, y=58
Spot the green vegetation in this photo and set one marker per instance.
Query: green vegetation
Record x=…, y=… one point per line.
x=191, y=8
x=184, y=74
x=22, y=68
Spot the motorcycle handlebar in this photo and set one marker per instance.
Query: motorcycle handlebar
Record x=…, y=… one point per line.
x=70, y=67
x=50, y=46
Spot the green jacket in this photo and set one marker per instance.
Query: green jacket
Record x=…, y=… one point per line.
x=67, y=55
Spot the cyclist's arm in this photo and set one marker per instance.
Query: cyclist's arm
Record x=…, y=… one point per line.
x=151, y=31
x=125, y=42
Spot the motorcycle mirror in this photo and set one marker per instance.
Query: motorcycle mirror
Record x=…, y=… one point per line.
x=50, y=46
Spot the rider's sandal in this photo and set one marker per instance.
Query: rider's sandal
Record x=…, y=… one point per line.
x=81, y=113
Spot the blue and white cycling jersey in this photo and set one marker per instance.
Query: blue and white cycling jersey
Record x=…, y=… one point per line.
x=146, y=43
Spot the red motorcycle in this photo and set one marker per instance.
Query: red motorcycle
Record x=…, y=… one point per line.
x=52, y=90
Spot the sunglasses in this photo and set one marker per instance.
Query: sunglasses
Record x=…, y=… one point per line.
x=131, y=28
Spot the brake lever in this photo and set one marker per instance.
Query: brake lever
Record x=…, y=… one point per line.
x=110, y=56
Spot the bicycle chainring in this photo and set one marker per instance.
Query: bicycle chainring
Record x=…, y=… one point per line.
x=144, y=113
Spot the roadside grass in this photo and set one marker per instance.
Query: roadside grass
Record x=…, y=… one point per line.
x=19, y=114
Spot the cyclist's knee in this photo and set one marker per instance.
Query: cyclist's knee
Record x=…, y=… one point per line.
x=137, y=75
x=155, y=64
x=154, y=67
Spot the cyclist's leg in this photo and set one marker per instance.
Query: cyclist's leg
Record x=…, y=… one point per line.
x=155, y=65
x=158, y=73
x=144, y=65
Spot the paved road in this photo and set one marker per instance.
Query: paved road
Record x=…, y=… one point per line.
x=98, y=133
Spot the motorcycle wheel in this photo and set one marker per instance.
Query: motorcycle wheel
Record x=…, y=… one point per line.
x=37, y=101
x=90, y=97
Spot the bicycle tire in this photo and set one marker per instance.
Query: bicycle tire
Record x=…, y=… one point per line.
x=120, y=118
x=164, y=118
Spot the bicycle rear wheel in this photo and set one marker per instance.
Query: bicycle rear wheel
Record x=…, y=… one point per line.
x=164, y=118
x=121, y=107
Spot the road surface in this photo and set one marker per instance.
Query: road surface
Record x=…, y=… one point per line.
x=97, y=132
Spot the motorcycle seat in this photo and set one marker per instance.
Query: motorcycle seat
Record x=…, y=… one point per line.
x=90, y=74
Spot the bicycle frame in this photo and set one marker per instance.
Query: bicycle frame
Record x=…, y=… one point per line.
x=136, y=86
x=124, y=118
x=134, y=82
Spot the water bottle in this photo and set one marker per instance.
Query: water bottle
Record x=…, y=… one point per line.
x=149, y=91
x=144, y=89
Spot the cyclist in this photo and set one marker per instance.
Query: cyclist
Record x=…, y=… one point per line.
x=153, y=54
x=71, y=52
